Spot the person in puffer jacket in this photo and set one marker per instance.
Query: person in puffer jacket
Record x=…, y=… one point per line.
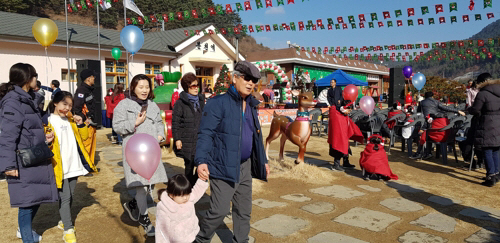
x=176, y=220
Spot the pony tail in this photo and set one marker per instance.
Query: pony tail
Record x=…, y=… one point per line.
x=375, y=147
x=161, y=191
x=51, y=107
x=5, y=88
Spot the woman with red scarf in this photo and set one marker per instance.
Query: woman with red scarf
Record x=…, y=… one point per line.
x=340, y=129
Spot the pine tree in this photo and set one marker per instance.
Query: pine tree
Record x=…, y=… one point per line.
x=223, y=81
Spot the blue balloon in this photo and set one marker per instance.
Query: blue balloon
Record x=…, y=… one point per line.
x=418, y=81
x=132, y=38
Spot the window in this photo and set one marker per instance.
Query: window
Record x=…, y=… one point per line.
x=115, y=73
x=72, y=77
x=153, y=69
x=205, y=75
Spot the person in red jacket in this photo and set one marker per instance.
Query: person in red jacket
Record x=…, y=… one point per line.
x=111, y=102
x=374, y=161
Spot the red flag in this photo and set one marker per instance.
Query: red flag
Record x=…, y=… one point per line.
x=269, y=3
x=426, y=45
x=361, y=25
x=443, y=44
x=361, y=18
x=399, y=23
x=313, y=50
x=250, y=28
x=471, y=5
x=290, y=1
x=380, y=24
x=344, y=26
x=314, y=27
x=411, y=12
x=480, y=42
x=490, y=15
x=420, y=21
x=439, y=8
x=229, y=10
x=442, y=20
x=247, y=5
x=186, y=32
x=340, y=20
x=165, y=17
x=465, y=18
x=386, y=15
x=330, y=27
x=460, y=43
x=319, y=22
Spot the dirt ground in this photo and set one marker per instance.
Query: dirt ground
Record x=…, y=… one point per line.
x=99, y=216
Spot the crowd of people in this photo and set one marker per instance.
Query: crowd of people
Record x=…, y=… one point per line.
x=220, y=141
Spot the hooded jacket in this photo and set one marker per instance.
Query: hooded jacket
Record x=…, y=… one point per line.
x=21, y=127
x=487, y=107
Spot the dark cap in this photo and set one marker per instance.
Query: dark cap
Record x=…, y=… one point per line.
x=429, y=94
x=87, y=73
x=248, y=69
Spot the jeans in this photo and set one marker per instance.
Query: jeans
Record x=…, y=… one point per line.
x=113, y=133
x=25, y=218
x=492, y=160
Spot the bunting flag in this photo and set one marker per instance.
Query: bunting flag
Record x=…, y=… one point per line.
x=490, y=15
x=361, y=18
x=453, y=7
x=269, y=3
x=465, y=18
x=398, y=13
x=351, y=19
x=425, y=10
x=439, y=8
x=371, y=25
x=340, y=20
x=477, y=17
x=399, y=23
x=442, y=20
x=488, y=3
x=453, y=19
x=389, y=24
x=374, y=16
x=410, y=22
x=386, y=14
x=411, y=12
x=259, y=4
x=420, y=21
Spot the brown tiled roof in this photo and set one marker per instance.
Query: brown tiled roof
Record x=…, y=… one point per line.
x=289, y=53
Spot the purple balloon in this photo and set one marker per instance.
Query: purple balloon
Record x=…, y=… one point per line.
x=407, y=71
x=143, y=154
x=367, y=104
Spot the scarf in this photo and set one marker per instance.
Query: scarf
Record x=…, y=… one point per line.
x=195, y=100
x=139, y=101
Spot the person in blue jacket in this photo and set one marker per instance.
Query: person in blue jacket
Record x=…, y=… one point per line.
x=230, y=152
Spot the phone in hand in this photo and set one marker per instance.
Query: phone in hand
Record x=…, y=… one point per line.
x=144, y=108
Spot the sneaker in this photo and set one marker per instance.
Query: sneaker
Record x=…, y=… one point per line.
x=366, y=177
x=337, y=167
x=69, y=236
x=490, y=181
x=60, y=225
x=36, y=236
x=132, y=210
x=427, y=156
x=149, y=229
x=416, y=156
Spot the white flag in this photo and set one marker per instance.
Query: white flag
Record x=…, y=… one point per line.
x=131, y=5
x=105, y=5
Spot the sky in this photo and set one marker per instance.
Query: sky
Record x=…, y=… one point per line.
x=304, y=10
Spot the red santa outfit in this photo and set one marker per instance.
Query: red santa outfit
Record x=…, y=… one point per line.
x=376, y=161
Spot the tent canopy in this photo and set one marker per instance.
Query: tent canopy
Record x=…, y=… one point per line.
x=342, y=78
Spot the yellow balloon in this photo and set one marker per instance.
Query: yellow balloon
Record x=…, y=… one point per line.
x=45, y=31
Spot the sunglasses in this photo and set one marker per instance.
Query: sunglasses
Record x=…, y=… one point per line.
x=249, y=78
x=193, y=86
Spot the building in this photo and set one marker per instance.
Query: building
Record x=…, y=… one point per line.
x=166, y=51
x=320, y=65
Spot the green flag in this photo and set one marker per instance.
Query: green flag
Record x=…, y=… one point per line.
x=453, y=7
x=389, y=24
x=239, y=7
x=488, y=3
x=351, y=19
x=258, y=3
x=280, y=2
x=478, y=17
x=370, y=24
x=410, y=22
x=374, y=16
x=453, y=19
x=425, y=10
x=431, y=20
x=330, y=21
x=204, y=13
x=337, y=26
x=353, y=26
x=398, y=13
x=275, y=27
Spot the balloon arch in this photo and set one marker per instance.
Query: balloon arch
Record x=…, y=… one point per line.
x=280, y=75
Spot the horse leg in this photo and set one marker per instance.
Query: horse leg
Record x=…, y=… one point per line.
x=274, y=133
x=282, y=145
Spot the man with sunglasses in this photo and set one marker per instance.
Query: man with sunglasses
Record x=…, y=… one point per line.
x=230, y=152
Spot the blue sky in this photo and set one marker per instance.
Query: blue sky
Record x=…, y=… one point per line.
x=315, y=9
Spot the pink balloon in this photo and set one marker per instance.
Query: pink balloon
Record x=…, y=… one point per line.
x=367, y=104
x=143, y=154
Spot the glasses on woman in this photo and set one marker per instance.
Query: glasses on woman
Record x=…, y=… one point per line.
x=192, y=86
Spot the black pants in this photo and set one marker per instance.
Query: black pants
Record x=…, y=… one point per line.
x=190, y=171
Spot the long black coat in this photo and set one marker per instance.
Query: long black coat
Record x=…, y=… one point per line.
x=487, y=108
x=185, y=125
x=21, y=127
x=335, y=97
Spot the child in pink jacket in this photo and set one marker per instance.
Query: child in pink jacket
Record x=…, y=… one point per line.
x=176, y=220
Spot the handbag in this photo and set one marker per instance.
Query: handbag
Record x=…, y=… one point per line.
x=35, y=155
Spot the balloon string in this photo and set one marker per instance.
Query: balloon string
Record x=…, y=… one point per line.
x=46, y=66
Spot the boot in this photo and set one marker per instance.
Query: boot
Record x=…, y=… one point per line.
x=490, y=181
x=336, y=166
x=346, y=163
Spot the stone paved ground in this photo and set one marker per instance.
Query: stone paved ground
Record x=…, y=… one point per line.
x=431, y=203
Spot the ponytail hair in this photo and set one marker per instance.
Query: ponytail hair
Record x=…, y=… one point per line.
x=58, y=97
x=19, y=75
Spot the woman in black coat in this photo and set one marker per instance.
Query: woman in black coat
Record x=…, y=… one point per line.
x=186, y=122
x=487, y=107
x=21, y=127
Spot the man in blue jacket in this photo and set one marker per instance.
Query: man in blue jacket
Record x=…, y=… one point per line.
x=230, y=152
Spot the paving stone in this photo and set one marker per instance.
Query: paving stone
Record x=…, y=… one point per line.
x=264, y=203
x=420, y=237
x=486, y=235
x=332, y=237
x=402, y=205
x=118, y=170
x=111, y=156
x=226, y=236
x=336, y=191
x=403, y=187
x=369, y=188
x=112, y=163
x=482, y=212
x=119, y=175
x=443, y=200
x=366, y=219
x=436, y=221
x=296, y=197
x=318, y=207
x=280, y=225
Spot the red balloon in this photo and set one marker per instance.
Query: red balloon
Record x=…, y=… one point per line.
x=350, y=92
x=408, y=99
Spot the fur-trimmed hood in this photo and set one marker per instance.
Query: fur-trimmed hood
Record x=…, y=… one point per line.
x=488, y=83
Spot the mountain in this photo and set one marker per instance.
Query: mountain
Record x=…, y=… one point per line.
x=452, y=69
